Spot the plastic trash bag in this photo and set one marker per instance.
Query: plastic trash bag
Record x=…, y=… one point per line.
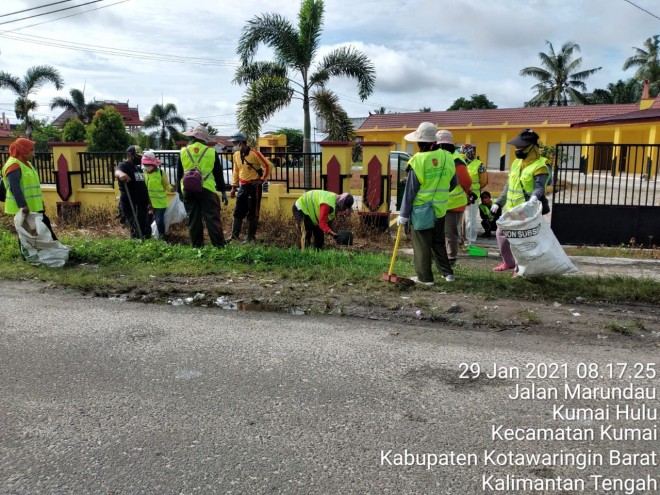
x=37, y=244
x=174, y=213
x=533, y=244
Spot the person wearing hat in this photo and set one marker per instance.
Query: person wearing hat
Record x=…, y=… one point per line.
x=479, y=177
x=21, y=182
x=251, y=170
x=133, y=194
x=431, y=175
x=315, y=210
x=158, y=186
x=528, y=179
x=200, y=178
x=458, y=196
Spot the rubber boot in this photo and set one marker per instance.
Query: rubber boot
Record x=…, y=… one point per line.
x=236, y=229
x=252, y=230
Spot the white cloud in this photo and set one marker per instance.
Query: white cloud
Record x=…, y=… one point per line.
x=426, y=52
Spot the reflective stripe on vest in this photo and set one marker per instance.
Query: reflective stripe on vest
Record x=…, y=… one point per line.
x=473, y=170
x=30, y=186
x=157, y=194
x=457, y=196
x=521, y=181
x=310, y=204
x=203, y=157
x=434, y=170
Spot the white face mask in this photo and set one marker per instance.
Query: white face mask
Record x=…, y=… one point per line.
x=237, y=147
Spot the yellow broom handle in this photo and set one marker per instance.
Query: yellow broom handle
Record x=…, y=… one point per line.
x=396, y=248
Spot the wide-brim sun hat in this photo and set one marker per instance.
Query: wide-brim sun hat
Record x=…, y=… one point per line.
x=525, y=138
x=425, y=133
x=200, y=132
x=149, y=158
x=444, y=137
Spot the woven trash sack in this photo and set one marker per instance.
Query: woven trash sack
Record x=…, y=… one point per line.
x=533, y=244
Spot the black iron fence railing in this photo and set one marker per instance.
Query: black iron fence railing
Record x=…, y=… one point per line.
x=98, y=168
x=607, y=174
x=297, y=170
x=43, y=162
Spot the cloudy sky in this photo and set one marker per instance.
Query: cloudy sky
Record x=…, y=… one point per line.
x=427, y=53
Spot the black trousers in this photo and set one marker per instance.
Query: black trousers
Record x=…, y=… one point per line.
x=248, y=201
x=308, y=230
x=204, y=206
x=138, y=222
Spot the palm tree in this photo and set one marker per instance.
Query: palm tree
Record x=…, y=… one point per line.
x=620, y=92
x=168, y=122
x=559, y=80
x=269, y=87
x=34, y=79
x=77, y=106
x=647, y=63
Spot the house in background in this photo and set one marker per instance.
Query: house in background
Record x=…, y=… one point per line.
x=6, y=134
x=130, y=115
x=489, y=130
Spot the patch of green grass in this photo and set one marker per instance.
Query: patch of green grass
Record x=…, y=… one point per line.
x=625, y=328
x=529, y=316
x=120, y=264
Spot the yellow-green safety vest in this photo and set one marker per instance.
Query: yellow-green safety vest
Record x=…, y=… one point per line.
x=457, y=196
x=310, y=204
x=434, y=170
x=30, y=186
x=157, y=193
x=203, y=160
x=473, y=170
x=521, y=181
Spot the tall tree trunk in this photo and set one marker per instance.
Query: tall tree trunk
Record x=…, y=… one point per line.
x=307, y=145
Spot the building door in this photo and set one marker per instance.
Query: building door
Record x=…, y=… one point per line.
x=493, y=161
x=602, y=156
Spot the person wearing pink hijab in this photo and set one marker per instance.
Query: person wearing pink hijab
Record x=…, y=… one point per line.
x=21, y=181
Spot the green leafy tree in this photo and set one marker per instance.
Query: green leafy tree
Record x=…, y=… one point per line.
x=338, y=124
x=270, y=87
x=620, y=92
x=107, y=132
x=560, y=82
x=379, y=111
x=476, y=102
x=77, y=105
x=74, y=131
x=425, y=109
x=648, y=64
x=42, y=134
x=166, y=121
x=26, y=88
x=294, y=138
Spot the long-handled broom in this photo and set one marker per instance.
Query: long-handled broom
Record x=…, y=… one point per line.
x=391, y=277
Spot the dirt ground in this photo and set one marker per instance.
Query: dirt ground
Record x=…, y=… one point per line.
x=420, y=308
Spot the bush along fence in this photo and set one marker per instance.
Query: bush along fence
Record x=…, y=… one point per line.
x=74, y=179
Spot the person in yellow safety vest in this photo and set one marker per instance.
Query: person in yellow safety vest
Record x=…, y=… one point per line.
x=314, y=212
x=458, y=196
x=479, y=176
x=205, y=204
x=21, y=182
x=528, y=179
x=251, y=170
x=158, y=185
x=431, y=175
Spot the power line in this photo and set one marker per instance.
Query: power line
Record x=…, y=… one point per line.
x=65, y=16
x=51, y=12
x=35, y=8
x=115, y=51
x=643, y=10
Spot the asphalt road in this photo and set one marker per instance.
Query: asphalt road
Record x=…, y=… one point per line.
x=106, y=397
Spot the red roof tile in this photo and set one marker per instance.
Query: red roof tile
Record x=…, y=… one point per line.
x=517, y=117
x=640, y=116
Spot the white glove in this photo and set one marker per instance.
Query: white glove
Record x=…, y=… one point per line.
x=402, y=221
x=534, y=199
x=494, y=209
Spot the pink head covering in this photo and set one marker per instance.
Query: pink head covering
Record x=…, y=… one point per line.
x=149, y=158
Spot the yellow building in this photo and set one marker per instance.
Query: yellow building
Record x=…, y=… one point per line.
x=489, y=130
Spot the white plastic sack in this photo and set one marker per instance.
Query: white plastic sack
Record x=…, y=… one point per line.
x=174, y=213
x=533, y=244
x=37, y=244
